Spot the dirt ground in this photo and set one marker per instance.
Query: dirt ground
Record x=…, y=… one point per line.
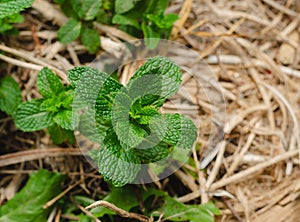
x=252, y=49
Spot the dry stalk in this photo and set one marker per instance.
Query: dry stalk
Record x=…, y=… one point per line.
x=119, y=211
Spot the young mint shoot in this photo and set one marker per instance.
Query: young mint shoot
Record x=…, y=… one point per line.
x=125, y=120
x=53, y=111
x=142, y=19
x=147, y=16
x=82, y=14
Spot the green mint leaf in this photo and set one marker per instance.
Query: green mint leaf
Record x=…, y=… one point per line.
x=15, y=18
x=167, y=72
x=176, y=211
x=58, y=103
x=105, y=99
x=27, y=205
x=175, y=129
x=116, y=164
x=122, y=6
x=51, y=104
x=102, y=17
x=87, y=9
x=145, y=114
x=10, y=95
x=94, y=89
x=90, y=39
x=162, y=21
x=65, y=119
x=91, y=129
x=126, y=20
x=67, y=8
x=87, y=82
x=5, y=27
x=152, y=37
x=156, y=6
x=151, y=94
x=59, y=135
x=69, y=32
x=30, y=118
x=10, y=7
x=154, y=153
x=128, y=133
x=48, y=83
x=82, y=76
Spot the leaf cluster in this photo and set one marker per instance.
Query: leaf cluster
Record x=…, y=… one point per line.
x=146, y=16
x=10, y=14
x=138, y=18
x=82, y=14
x=52, y=111
x=125, y=119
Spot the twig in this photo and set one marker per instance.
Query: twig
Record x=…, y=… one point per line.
x=281, y=8
x=294, y=118
x=218, y=163
x=51, y=202
x=29, y=155
x=183, y=15
x=86, y=212
x=116, y=32
x=234, y=60
x=231, y=208
x=242, y=175
x=238, y=118
x=27, y=56
x=73, y=55
x=201, y=178
x=119, y=211
x=211, y=48
x=187, y=180
x=243, y=151
x=229, y=14
x=20, y=63
x=50, y=12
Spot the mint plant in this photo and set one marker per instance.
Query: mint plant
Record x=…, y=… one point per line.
x=10, y=13
x=146, y=16
x=125, y=120
x=82, y=14
x=138, y=18
x=10, y=95
x=53, y=111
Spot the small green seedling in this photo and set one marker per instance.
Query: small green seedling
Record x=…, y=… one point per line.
x=82, y=14
x=146, y=16
x=53, y=111
x=125, y=120
x=142, y=19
